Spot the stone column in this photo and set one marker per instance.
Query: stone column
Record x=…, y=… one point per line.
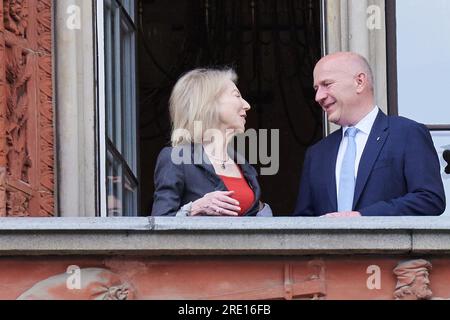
x=75, y=108
x=359, y=26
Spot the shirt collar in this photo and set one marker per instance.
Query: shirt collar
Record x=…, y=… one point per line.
x=366, y=123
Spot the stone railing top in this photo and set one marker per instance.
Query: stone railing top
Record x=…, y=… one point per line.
x=224, y=236
x=224, y=224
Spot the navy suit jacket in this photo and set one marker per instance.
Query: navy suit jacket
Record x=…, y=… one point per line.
x=398, y=174
x=177, y=184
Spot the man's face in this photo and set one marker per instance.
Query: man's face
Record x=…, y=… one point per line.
x=336, y=91
x=421, y=286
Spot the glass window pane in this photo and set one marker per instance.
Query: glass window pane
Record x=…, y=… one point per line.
x=128, y=98
x=130, y=197
x=125, y=94
x=133, y=102
x=120, y=92
x=129, y=6
x=423, y=55
x=118, y=128
x=114, y=187
x=109, y=69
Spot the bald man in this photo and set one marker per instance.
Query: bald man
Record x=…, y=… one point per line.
x=375, y=165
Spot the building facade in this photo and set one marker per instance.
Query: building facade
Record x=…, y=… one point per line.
x=83, y=115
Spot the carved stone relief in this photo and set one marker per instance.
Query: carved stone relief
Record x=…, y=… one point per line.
x=26, y=109
x=413, y=280
x=46, y=127
x=17, y=204
x=15, y=16
x=310, y=286
x=18, y=74
x=94, y=284
x=2, y=191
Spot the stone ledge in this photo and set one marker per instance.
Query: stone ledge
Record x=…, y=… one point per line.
x=431, y=242
x=223, y=236
x=302, y=223
x=225, y=224
x=78, y=224
x=209, y=243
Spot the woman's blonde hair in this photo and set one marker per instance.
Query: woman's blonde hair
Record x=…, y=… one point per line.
x=194, y=101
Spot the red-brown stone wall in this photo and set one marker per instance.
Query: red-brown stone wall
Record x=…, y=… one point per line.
x=26, y=110
x=217, y=278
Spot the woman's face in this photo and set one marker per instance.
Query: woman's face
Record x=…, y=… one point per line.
x=232, y=109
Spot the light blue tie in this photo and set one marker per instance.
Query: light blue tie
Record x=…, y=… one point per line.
x=347, y=178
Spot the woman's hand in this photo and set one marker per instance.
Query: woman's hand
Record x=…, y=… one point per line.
x=217, y=203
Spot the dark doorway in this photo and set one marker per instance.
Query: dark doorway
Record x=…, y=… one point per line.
x=272, y=44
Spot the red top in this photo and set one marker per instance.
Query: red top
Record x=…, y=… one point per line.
x=242, y=192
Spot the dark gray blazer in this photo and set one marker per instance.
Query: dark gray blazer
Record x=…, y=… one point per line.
x=190, y=177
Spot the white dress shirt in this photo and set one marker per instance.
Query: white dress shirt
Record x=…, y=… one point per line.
x=364, y=127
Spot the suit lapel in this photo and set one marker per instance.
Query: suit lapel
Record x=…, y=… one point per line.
x=375, y=143
x=330, y=158
x=250, y=175
x=200, y=159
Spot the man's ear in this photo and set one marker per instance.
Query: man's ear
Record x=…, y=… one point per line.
x=361, y=82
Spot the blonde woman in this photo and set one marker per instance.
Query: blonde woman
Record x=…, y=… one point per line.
x=199, y=175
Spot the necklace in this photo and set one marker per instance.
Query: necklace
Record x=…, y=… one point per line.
x=218, y=160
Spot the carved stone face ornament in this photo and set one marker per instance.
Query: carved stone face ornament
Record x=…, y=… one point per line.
x=95, y=284
x=421, y=287
x=412, y=280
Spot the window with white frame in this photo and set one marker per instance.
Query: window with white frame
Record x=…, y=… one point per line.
x=118, y=165
x=423, y=68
